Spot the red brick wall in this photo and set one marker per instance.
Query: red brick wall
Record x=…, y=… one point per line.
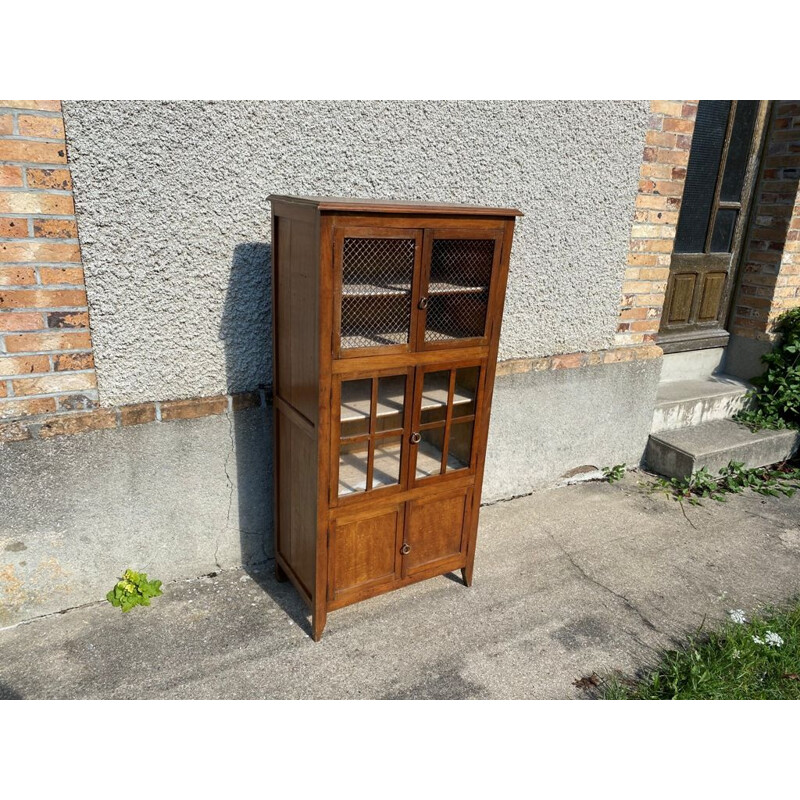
x=46, y=362
x=661, y=180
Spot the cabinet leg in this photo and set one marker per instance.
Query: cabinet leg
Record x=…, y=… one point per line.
x=466, y=574
x=318, y=620
x=280, y=575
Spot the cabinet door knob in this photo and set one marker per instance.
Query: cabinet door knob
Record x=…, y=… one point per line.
x=416, y=438
x=405, y=549
x=423, y=303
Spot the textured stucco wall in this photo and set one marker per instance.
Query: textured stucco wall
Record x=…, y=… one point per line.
x=174, y=223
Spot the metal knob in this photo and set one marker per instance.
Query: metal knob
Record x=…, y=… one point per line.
x=405, y=549
x=416, y=437
x=423, y=303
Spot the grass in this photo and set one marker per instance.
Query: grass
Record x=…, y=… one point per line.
x=725, y=665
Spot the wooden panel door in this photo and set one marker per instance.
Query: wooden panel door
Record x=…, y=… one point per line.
x=435, y=538
x=457, y=295
x=364, y=553
x=711, y=228
x=375, y=290
x=445, y=423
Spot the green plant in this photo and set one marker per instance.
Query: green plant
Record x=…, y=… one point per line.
x=615, y=473
x=782, y=479
x=775, y=402
x=746, y=659
x=133, y=589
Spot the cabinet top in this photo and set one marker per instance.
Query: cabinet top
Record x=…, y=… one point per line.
x=395, y=206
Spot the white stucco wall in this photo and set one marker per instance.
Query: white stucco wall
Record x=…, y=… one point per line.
x=174, y=222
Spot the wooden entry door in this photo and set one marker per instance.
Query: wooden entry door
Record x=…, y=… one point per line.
x=723, y=163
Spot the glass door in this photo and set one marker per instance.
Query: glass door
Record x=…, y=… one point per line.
x=374, y=302
x=456, y=287
x=445, y=421
x=370, y=434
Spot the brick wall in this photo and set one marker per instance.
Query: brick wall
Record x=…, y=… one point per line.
x=46, y=362
x=658, y=201
x=770, y=279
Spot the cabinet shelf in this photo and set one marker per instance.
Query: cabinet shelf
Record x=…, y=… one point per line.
x=374, y=290
x=386, y=469
x=351, y=290
x=385, y=338
x=356, y=397
x=371, y=339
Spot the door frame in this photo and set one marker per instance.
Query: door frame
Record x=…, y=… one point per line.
x=714, y=333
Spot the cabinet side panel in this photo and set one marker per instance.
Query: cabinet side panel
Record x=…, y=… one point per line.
x=302, y=318
x=281, y=305
x=283, y=485
x=296, y=488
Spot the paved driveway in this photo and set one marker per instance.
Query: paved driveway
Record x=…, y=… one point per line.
x=567, y=581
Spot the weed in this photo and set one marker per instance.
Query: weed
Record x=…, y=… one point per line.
x=776, y=398
x=615, y=473
x=733, y=479
x=746, y=659
x=133, y=589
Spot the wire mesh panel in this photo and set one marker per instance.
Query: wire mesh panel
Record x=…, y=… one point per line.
x=458, y=288
x=376, y=291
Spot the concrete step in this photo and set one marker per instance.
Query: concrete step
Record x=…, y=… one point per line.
x=679, y=453
x=683, y=404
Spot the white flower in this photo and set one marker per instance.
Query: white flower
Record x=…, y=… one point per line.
x=736, y=654
x=773, y=639
x=737, y=616
x=758, y=640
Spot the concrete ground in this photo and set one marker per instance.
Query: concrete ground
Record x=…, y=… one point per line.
x=568, y=581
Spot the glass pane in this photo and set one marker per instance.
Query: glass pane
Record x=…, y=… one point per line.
x=722, y=238
x=701, y=175
x=458, y=288
x=465, y=391
x=738, y=150
x=391, y=400
x=386, y=467
x=429, y=452
x=356, y=397
x=353, y=467
x=434, y=396
x=460, y=445
x=376, y=291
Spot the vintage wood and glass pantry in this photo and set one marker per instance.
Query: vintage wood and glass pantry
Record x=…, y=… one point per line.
x=386, y=321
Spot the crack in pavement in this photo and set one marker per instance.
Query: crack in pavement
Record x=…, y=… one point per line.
x=630, y=606
x=229, y=415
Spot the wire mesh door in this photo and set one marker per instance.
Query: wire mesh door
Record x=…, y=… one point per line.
x=375, y=270
x=456, y=291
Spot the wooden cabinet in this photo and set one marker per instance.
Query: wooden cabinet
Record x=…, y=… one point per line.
x=386, y=320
